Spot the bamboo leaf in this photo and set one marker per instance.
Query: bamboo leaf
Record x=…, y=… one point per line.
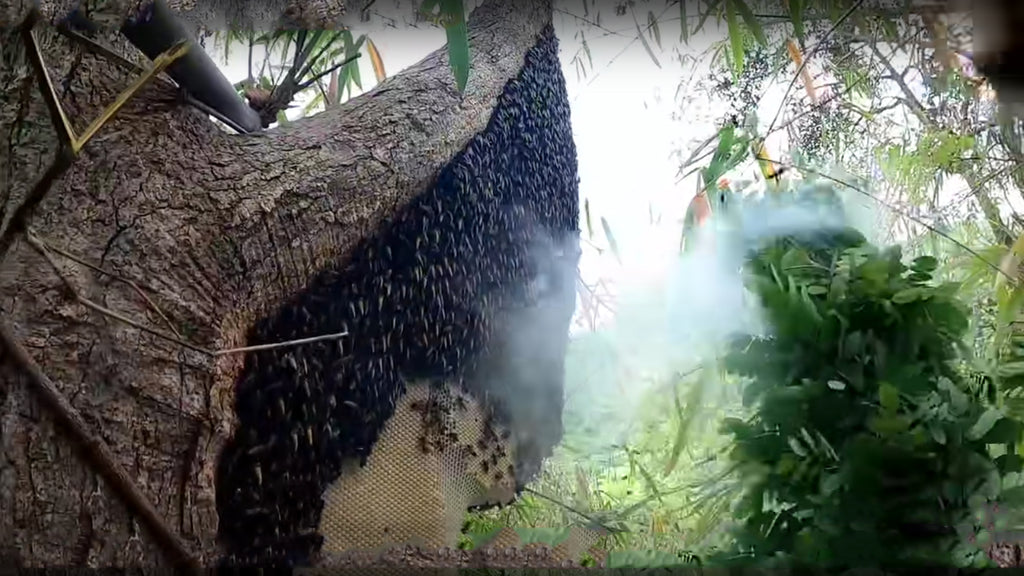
x=454, y=15
x=652, y=25
x=735, y=38
x=684, y=29
x=312, y=104
x=586, y=50
x=429, y=8
x=1009, y=264
x=647, y=47
x=376, y=60
x=353, y=67
x=611, y=239
x=712, y=7
x=586, y=212
x=333, y=93
x=751, y=21
x=796, y=14
x=344, y=82
x=649, y=481
x=687, y=414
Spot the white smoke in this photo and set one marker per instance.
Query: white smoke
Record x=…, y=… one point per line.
x=684, y=314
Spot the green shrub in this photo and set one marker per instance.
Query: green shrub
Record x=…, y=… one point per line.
x=866, y=447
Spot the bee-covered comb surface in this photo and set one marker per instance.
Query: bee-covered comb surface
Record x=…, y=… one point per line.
x=463, y=299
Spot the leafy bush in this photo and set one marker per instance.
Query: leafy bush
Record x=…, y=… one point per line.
x=867, y=446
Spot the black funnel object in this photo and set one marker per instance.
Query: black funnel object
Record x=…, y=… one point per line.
x=155, y=30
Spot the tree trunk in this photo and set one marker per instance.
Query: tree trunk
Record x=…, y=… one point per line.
x=216, y=230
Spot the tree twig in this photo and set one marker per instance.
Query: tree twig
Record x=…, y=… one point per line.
x=46, y=245
x=298, y=342
x=98, y=454
x=910, y=217
x=44, y=251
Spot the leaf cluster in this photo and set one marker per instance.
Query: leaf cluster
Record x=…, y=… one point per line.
x=865, y=446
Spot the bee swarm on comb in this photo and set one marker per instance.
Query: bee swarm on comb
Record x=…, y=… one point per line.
x=425, y=298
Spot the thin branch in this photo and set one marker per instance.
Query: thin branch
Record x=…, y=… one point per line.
x=298, y=342
x=47, y=246
x=320, y=75
x=910, y=98
x=42, y=249
x=586, y=517
x=101, y=50
x=45, y=253
x=249, y=77
x=308, y=66
x=592, y=23
x=621, y=52
x=64, y=156
x=97, y=454
x=911, y=217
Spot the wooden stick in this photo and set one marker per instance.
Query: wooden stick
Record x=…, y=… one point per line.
x=98, y=454
x=282, y=344
x=44, y=250
x=48, y=246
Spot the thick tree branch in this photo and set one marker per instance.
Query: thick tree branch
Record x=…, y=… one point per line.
x=355, y=164
x=223, y=228
x=259, y=15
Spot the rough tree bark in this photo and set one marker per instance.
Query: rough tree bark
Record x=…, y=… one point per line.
x=215, y=229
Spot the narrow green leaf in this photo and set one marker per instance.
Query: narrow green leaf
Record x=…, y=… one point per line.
x=649, y=481
x=454, y=15
x=586, y=50
x=751, y=21
x=796, y=14
x=586, y=212
x=354, y=65
x=317, y=100
x=429, y=8
x=687, y=413
x=796, y=447
x=925, y=263
x=735, y=38
x=1010, y=369
x=684, y=28
x=611, y=239
x=647, y=46
x=712, y=7
x=909, y=295
x=652, y=25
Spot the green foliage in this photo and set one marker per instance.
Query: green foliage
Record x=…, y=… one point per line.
x=639, y=559
x=733, y=148
x=451, y=14
x=866, y=446
x=914, y=169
